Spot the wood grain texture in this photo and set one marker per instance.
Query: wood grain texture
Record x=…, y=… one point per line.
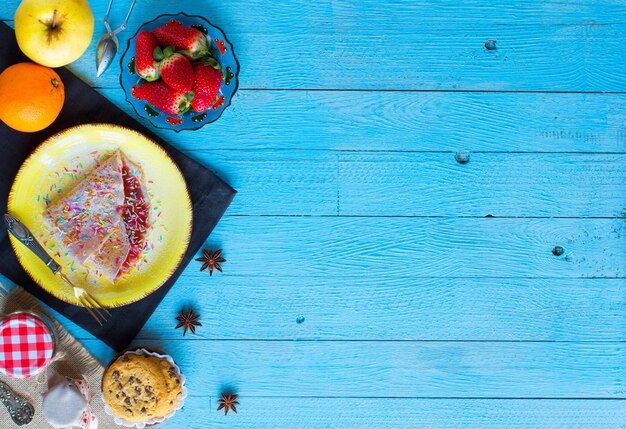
x=400, y=45
x=410, y=184
x=314, y=183
x=410, y=121
x=410, y=248
x=401, y=369
x=392, y=308
x=401, y=413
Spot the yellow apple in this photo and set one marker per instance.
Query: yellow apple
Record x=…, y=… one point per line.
x=53, y=32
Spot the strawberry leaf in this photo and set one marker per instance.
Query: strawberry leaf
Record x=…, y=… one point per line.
x=158, y=53
x=208, y=61
x=169, y=51
x=212, y=62
x=184, y=105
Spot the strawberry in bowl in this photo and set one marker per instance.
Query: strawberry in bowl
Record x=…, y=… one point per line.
x=179, y=72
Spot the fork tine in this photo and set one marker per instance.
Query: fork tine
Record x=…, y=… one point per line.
x=93, y=311
x=88, y=298
x=89, y=302
x=88, y=308
x=97, y=303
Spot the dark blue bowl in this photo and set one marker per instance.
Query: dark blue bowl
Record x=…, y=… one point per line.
x=190, y=120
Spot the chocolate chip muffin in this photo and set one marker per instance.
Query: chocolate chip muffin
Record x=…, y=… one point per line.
x=141, y=387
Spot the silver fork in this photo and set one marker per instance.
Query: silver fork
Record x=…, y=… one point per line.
x=91, y=304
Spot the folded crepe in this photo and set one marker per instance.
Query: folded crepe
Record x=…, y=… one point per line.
x=90, y=221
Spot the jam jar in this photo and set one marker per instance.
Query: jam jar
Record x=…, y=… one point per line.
x=28, y=343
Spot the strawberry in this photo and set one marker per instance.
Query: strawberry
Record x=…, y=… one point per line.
x=206, y=84
x=175, y=68
x=188, y=41
x=164, y=98
x=145, y=65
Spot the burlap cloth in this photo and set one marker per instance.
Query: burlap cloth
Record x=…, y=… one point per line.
x=77, y=362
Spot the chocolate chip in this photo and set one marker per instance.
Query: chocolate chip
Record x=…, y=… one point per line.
x=131, y=379
x=124, y=394
x=154, y=398
x=138, y=380
x=119, y=386
x=117, y=395
x=177, y=381
x=171, y=402
x=110, y=391
x=148, y=389
x=135, y=400
x=116, y=375
x=137, y=389
x=127, y=401
x=143, y=410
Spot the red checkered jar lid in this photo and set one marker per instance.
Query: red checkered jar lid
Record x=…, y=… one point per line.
x=26, y=345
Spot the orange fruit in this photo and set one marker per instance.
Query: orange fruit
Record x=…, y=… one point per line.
x=31, y=96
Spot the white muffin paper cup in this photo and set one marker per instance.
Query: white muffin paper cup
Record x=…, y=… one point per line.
x=121, y=422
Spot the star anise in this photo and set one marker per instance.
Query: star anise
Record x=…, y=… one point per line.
x=228, y=402
x=188, y=320
x=211, y=260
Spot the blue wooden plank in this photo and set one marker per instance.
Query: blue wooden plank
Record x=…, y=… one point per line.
x=412, y=248
x=354, y=183
x=408, y=121
x=416, y=45
x=401, y=413
x=394, y=308
x=400, y=368
x=422, y=185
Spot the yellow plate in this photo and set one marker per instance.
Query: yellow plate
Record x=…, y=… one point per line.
x=63, y=160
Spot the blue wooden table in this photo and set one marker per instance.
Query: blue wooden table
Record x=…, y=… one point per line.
x=402, y=188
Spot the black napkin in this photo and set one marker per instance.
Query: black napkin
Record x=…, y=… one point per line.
x=209, y=194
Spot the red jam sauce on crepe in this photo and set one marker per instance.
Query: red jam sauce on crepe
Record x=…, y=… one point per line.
x=136, y=213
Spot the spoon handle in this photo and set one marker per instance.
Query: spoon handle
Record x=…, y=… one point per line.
x=123, y=26
x=20, y=411
x=106, y=17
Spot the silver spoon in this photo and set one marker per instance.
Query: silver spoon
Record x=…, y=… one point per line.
x=108, y=45
x=19, y=409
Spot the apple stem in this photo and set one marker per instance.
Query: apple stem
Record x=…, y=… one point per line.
x=53, y=26
x=55, y=21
